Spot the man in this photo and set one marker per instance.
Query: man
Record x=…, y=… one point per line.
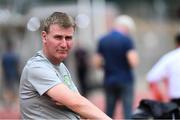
x=116, y=51
x=46, y=88
x=10, y=70
x=81, y=60
x=167, y=69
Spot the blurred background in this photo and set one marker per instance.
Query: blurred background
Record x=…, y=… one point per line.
x=157, y=22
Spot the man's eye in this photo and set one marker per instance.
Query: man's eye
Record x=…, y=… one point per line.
x=58, y=37
x=68, y=38
x=63, y=37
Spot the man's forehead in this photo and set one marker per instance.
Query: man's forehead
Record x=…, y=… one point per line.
x=57, y=30
x=56, y=26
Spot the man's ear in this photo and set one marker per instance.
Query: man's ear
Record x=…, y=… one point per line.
x=44, y=36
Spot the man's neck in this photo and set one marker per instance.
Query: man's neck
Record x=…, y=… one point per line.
x=51, y=58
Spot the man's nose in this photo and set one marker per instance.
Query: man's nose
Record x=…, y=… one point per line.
x=63, y=43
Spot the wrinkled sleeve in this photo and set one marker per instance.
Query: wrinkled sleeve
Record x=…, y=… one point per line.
x=43, y=78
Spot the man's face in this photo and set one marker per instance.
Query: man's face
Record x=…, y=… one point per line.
x=57, y=42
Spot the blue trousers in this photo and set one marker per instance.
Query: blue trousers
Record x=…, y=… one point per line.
x=124, y=92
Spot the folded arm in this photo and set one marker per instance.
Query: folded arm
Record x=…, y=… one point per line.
x=76, y=102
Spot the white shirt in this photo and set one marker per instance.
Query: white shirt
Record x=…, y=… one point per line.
x=168, y=67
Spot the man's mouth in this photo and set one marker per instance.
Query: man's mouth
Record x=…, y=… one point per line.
x=62, y=51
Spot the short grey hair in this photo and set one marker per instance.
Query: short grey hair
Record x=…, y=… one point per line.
x=125, y=20
x=60, y=18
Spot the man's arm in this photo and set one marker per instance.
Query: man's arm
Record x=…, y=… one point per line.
x=97, y=61
x=156, y=76
x=133, y=58
x=155, y=91
x=158, y=93
x=76, y=102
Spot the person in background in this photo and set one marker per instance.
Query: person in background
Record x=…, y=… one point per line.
x=117, y=54
x=11, y=72
x=167, y=70
x=46, y=87
x=81, y=59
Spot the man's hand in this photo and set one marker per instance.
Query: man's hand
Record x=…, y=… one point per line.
x=156, y=93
